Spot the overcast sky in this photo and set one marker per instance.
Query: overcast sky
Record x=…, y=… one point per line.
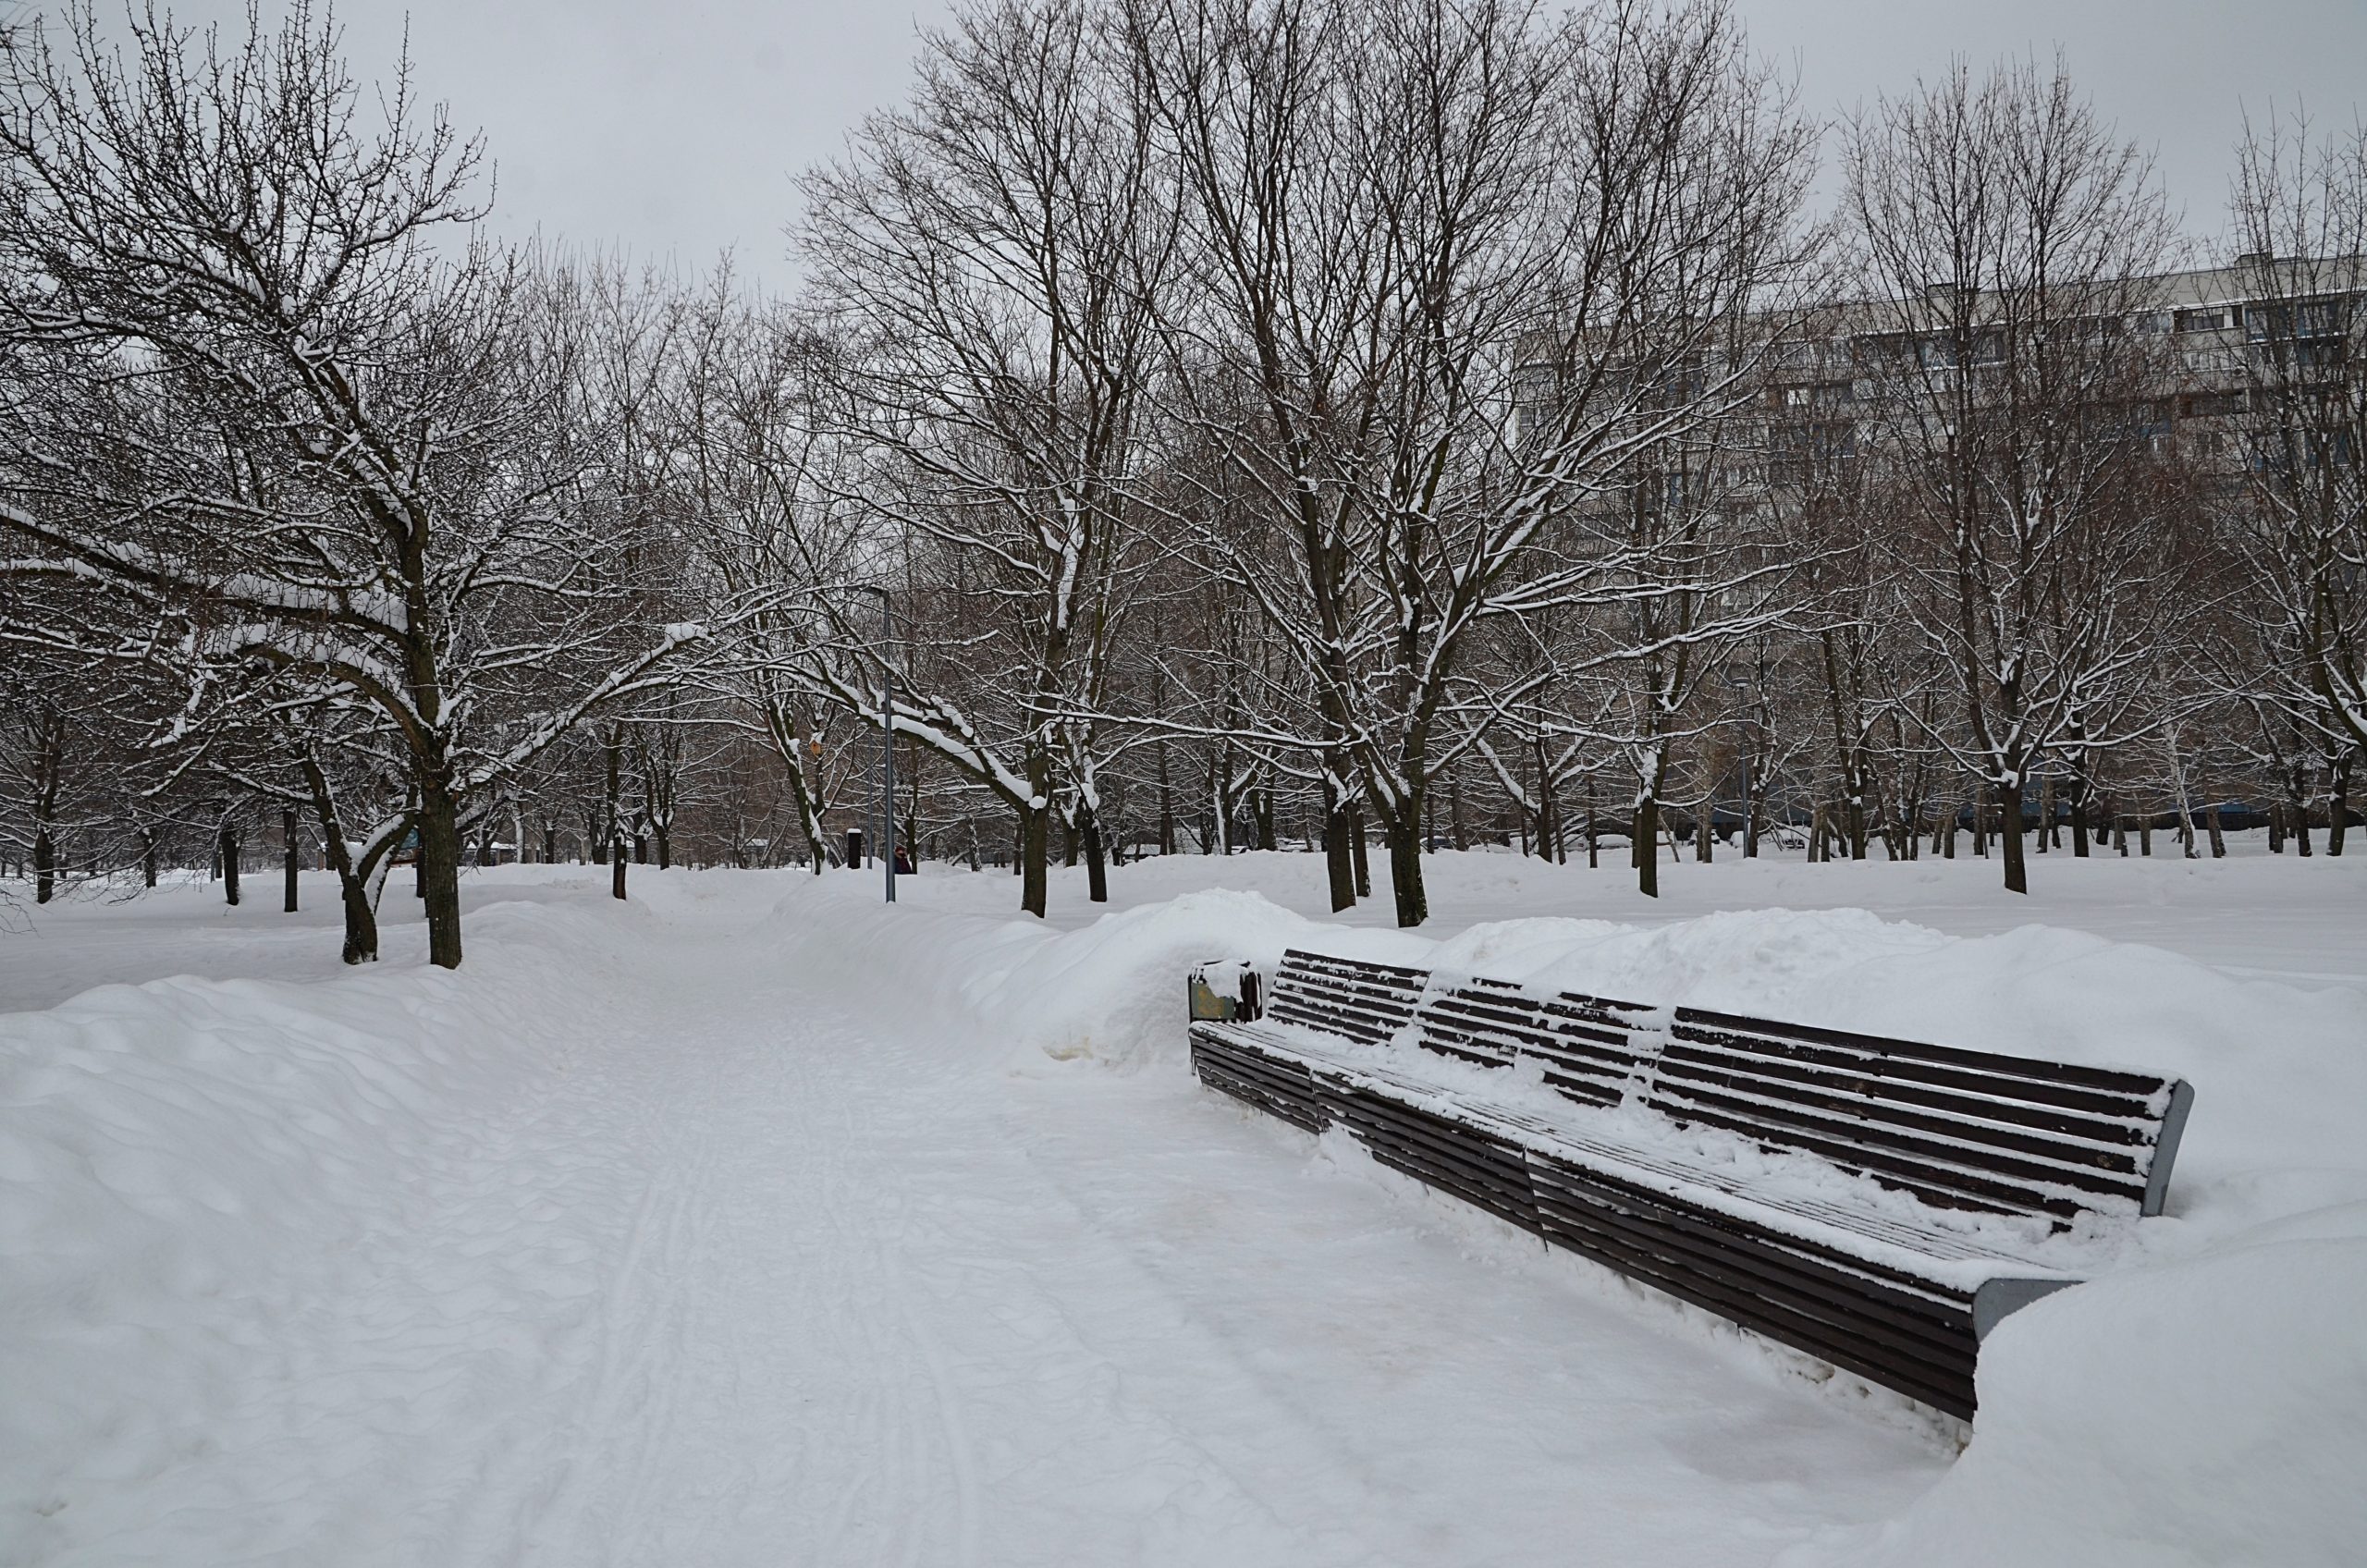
x=672, y=127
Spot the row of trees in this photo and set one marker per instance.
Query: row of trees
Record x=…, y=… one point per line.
x=1210, y=422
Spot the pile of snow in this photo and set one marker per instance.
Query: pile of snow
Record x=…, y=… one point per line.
x=198, y=1177
x=2205, y=1412
x=1111, y=992
x=2201, y=1402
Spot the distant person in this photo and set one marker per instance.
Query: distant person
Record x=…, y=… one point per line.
x=904, y=861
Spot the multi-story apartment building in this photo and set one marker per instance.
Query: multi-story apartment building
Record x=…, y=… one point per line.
x=2220, y=348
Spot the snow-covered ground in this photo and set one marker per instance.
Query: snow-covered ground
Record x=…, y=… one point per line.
x=750, y=1222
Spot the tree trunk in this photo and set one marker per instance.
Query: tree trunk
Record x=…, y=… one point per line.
x=353, y=882
x=1035, y=854
x=2211, y=825
x=148, y=857
x=1645, y=839
x=353, y=892
x=45, y=867
x=550, y=846
x=1339, y=859
x=1404, y=832
x=1167, y=807
x=1097, y=867
x=2009, y=831
x=287, y=839
x=617, y=870
x=606, y=839
x=2338, y=802
x=1357, y=852
x=229, y=864
x=439, y=870
x=2185, y=801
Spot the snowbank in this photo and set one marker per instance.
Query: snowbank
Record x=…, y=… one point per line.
x=1111, y=992
x=2212, y=1411
x=192, y=1171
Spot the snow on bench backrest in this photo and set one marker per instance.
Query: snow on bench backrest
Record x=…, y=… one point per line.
x=1349, y=997
x=1586, y=1045
x=1957, y=1128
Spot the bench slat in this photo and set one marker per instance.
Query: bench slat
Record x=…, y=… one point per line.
x=1922, y=1325
x=1907, y=1304
x=2037, y=1098
x=1584, y=1228
x=1923, y=1178
x=1959, y=1139
x=2035, y=1067
x=1444, y=1154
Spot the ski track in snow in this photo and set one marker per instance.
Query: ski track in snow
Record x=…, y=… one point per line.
x=747, y=1278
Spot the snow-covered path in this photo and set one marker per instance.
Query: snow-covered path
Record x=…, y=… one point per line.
x=786, y=1288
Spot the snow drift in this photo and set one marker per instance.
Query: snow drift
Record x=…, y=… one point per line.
x=2211, y=1411
x=206, y=1188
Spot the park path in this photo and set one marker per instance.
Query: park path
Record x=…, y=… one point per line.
x=864, y=1297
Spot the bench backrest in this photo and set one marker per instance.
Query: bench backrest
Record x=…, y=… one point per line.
x=1357, y=1000
x=1586, y=1045
x=1960, y=1129
x=1957, y=1128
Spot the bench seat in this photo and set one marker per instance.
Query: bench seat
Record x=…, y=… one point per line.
x=1892, y=1262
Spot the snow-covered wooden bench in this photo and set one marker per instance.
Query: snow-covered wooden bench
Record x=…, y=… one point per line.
x=1880, y=1204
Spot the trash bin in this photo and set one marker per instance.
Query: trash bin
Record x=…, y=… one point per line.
x=1225, y=991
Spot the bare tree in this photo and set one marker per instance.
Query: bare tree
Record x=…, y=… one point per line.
x=2299, y=209
x=330, y=452
x=2008, y=243
x=985, y=261
x=1468, y=275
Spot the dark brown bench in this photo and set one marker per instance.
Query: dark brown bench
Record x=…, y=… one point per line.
x=1852, y=1256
